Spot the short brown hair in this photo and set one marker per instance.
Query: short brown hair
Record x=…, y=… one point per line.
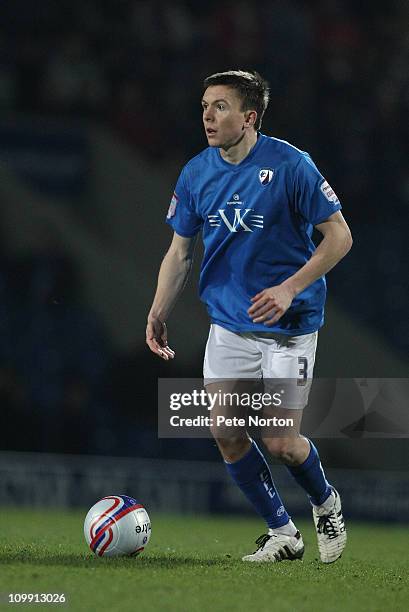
x=251, y=87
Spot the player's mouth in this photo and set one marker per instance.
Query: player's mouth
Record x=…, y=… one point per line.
x=210, y=132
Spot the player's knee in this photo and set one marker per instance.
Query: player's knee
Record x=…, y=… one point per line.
x=280, y=448
x=233, y=448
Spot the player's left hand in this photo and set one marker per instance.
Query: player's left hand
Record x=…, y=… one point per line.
x=270, y=304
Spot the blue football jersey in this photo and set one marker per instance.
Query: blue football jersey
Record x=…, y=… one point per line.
x=257, y=219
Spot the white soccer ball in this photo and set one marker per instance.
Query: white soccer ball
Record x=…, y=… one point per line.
x=117, y=525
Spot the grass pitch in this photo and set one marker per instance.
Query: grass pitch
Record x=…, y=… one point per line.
x=192, y=564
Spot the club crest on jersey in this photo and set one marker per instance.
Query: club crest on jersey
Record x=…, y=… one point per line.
x=329, y=192
x=172, y=206
x=265, y=175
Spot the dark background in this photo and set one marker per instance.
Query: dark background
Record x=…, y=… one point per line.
x=100, y=109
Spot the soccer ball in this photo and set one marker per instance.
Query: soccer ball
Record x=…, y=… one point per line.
x=117, y=525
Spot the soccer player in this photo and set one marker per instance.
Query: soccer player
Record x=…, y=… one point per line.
x=256, y=200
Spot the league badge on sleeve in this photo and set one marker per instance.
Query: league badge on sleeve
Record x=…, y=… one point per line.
x=265, y=175
x=328, y=192
x=172, y=206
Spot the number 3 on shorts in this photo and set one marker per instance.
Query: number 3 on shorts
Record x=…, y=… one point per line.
x=303, y=371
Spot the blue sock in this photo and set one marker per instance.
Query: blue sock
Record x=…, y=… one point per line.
x=252, y=474
x=310, y=476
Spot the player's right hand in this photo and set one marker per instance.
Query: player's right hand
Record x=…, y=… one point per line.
x=157, y=339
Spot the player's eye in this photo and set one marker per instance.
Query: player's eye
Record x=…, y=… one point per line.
x=221, y=107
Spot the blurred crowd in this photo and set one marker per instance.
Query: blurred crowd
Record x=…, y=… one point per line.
x=63, y=388
x=53, y=355
x=337, y=68
x=339, y=89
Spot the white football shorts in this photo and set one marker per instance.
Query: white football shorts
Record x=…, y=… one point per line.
x=269, y=356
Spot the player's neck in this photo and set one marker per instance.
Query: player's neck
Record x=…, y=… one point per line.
x=239, y=150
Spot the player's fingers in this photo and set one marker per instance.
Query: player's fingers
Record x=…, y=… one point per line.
x=268, y=308
x=275, y=318
x=165, y=354
x=255, y=297
x=261, y=305
x=260, y=302
x=266, y=316
x=153, y=344
x=168, y=351
x=154, y=347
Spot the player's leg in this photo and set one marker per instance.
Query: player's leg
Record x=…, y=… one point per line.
x=243, y=459
x=297, y=453
x=232, y=356
x=324, y=498
x=248, y=468
x=292, y=361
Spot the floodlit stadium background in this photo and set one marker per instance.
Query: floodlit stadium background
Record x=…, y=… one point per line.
x=100, y=109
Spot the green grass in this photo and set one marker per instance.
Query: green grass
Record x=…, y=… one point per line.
x=192, y=564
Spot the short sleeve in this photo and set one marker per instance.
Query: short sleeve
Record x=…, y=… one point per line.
x=182, y=215
x=315, y=200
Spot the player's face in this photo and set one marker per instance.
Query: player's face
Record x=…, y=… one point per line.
x=223, y=119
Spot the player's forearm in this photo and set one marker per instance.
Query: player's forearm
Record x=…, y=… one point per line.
x=172, y=278
x=333, y=247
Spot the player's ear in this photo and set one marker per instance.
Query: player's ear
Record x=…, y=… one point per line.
x=250, y=118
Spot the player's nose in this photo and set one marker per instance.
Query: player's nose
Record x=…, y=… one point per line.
x=208, y=115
